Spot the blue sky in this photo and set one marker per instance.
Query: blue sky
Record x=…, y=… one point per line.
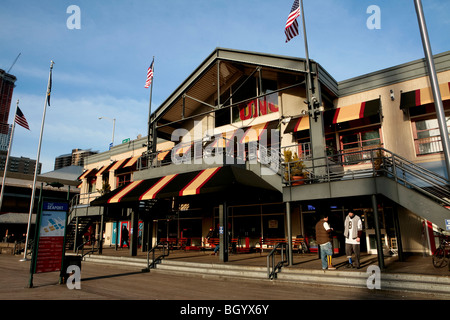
x=100, y=69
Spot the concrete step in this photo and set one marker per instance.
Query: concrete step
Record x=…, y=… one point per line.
x=387, y=281
x=122, y=261
x=208, y=269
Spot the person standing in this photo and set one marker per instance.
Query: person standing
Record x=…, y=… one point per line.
x=352, y=234
x=323, y=238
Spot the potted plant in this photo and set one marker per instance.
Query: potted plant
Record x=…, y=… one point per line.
x=295, y=169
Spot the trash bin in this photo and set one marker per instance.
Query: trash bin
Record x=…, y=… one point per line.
x=70, y=260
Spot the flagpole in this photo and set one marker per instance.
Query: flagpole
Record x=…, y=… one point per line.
x=306, y=55
x=434, y=85
x=150, y=108
x=7, y=157
x=37, y=163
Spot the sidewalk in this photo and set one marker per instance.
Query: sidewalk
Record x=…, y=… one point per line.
x=412, y=264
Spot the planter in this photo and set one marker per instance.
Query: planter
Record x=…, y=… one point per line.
x=297, y=180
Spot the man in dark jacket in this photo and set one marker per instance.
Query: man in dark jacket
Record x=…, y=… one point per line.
x=323, y=238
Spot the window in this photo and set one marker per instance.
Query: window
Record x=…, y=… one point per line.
x=427, y=137
x=123, y=179
x=357, y=142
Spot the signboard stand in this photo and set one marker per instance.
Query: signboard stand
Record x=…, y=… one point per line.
x=49, y=239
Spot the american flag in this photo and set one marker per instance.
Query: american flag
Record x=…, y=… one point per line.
x=291, y=29
x=20, y=119
x=149, y=75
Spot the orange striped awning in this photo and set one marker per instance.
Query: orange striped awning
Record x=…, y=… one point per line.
x=195, y=185
x=298, y=124
x=132, y=161
x=87, y=173
x=423, y=96
x=157, y=187
x=222, y=180
x=357, y=111
x=118, y=164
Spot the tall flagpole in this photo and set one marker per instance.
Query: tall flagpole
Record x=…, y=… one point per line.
x=150, y=109
x=37, y=162
x=434, y=85
x=308, y=70
x=7, y=157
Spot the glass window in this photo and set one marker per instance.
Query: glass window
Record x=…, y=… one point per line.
x=427, y=136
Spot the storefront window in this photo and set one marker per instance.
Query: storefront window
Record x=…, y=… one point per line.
x=357, y=142
x=427, y=136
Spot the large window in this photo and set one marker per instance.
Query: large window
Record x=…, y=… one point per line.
x=427, y=136
x=357, y=142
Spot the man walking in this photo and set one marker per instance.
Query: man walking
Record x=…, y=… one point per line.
x=352, y=234
x=323, y=238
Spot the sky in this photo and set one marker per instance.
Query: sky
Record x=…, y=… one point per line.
x=100, y=68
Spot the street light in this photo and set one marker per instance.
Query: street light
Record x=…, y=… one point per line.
x=114, y=127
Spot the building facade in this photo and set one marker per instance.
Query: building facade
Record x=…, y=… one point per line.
x=255, y=147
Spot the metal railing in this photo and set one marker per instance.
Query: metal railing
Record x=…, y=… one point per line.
x=272, y=268
x=372, y=163
x=164, y=245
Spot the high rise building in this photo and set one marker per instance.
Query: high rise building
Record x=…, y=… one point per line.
x=6, y=92
x=76, y=158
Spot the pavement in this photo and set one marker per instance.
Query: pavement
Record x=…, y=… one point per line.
x=121, y=282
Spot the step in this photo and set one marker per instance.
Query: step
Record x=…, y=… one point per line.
x=388, y=281
x=207, y=269
x=123, y=261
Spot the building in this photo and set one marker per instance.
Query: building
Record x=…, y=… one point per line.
x=15, y=207
x=76, y=158
x=229, y=142
x=19, y=164
x=7, y=84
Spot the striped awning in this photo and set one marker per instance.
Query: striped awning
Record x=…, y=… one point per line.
x=423, y=96
x=218, y=179
x=254, y=133
x=298, y=124
x=88, y=173
x=356, y=111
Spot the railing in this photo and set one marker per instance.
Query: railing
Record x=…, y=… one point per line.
x=165, y=252
x=272, y=268
x=92, y=250
x=372, y=163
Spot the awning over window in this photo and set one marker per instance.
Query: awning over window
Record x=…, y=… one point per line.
x=423, y=96
x=356, y=111
x=298, y=124
x=212, y=180
x=88, y=173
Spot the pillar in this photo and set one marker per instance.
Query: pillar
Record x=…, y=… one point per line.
x=289, y=233
x=134, y=231
x=378, y=232
x=223, y=232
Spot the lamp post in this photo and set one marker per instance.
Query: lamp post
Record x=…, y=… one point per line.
x=114, y=128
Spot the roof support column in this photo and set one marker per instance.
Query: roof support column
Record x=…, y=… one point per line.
x=134, y=231
x=289, y=233
x=377, y=232
x=223, y=232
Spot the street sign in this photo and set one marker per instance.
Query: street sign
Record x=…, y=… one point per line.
x=126, y=140
x=49, y=238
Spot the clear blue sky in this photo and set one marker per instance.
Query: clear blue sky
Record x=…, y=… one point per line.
x=100, y=69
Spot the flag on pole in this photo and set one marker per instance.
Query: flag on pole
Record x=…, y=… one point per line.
x=49, y=89
x=149, y=75
x=291, y=28
x=20, y=119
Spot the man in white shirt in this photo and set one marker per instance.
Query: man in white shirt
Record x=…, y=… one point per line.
x=352, y=234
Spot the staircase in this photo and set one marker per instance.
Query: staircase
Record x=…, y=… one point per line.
x=83, y=225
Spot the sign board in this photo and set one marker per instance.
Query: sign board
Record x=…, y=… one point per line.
x=447, y=224
x=126, y=140
x=51, y=233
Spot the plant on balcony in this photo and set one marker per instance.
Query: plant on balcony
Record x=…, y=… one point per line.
x=295, y=168
x=105, y=188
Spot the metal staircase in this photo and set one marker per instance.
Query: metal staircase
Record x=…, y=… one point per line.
x=378, y=171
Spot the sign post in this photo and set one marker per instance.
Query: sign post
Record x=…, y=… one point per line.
x=48, y=252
